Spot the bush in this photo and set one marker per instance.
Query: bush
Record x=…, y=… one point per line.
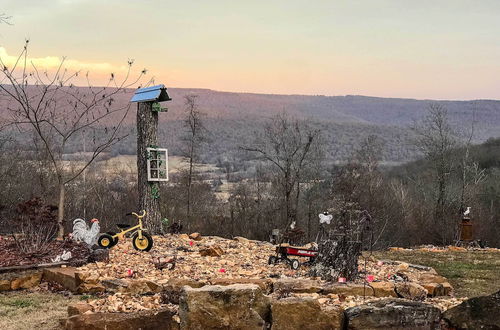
x=34, y=227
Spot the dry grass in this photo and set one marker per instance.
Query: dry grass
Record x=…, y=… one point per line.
x=33, y=310
x=472, y=273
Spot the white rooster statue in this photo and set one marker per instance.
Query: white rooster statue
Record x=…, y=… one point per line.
x=82, y=232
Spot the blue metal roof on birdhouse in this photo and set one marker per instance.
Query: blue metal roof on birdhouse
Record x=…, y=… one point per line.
x=156, y=93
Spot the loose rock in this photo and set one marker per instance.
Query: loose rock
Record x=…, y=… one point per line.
x=195, y=236
x=411, y=290
x=304, y=313
x=4, y=285
x=212, y=251
x=475, y=313
x=350, y=289
x=162, y=319
x=383, y=289
x=237, y=306
x=292, y=285
x=393, y=313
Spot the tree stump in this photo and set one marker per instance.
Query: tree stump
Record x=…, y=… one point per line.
x=337, y=257
x=147, y=136
x=340, y=247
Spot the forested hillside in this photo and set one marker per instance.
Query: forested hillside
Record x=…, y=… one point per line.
x=232, y=120
x=260, y=183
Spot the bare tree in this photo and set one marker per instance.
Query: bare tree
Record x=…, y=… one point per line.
x=194, y=138
x=56, y=110
x=471, y=173
x=437, y=140
x=292, y=146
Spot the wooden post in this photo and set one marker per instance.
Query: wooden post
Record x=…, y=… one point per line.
x=149, y=192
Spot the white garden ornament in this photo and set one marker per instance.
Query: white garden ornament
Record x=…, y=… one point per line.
x=82, y=232
x=325, y=218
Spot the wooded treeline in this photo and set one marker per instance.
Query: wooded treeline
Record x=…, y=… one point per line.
x=290, y=181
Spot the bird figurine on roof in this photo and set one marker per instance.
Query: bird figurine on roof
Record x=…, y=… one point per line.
x=467, y=212
x=82, y=232
x=292, y=225
x=325, y=218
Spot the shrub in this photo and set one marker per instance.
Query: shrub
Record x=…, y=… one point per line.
x=34, y=227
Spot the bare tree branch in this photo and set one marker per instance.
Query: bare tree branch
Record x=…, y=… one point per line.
x=51, y=106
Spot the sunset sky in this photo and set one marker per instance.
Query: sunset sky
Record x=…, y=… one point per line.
x=440, y=49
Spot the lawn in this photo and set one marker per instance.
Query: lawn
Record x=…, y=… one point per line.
x=33, y=310
x=471, y=273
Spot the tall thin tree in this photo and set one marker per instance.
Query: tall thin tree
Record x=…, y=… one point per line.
x=292, y=146
x=193, y=139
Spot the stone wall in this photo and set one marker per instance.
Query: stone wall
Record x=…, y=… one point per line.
x=246, y=306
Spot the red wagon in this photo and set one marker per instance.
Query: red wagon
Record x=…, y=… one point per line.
x=283, y=253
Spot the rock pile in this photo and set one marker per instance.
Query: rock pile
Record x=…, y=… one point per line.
x=212, y=258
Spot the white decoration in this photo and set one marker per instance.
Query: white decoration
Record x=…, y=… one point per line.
x=467, y=212
x=325, y=218
x=157, y=164
x=82, y=233
x=66, y=255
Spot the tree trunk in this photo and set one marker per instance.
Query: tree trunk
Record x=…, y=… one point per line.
x=60, y=212
x=147, y=136
x=189, y=184
x=337, y=257
x=309, y=215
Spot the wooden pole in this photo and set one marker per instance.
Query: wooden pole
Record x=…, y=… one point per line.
x=147, y=136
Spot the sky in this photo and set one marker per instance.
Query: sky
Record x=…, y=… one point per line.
x=440, y=49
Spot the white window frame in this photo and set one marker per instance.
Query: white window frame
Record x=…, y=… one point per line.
x=163, y=167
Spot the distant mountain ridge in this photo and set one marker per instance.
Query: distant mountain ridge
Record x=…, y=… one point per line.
x=341, y=109
x=233, y=118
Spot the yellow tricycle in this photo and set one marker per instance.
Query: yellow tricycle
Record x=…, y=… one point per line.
x=141, y=240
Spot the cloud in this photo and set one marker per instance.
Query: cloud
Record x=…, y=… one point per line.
x=53, y=62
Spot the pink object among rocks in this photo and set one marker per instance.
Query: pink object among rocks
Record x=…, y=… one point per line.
x=370, y=278
x=222, y=270
x=191, y=243
x=342, y=280
x=380, y=263
x=130, y=272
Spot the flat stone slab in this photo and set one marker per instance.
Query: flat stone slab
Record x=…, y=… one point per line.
x=304, y=313
x=66, y=277
x=237, y=306
x=293, y=285
x=349, y=289
x=265, y=284
x=475, y=313
x=145, y=320
x=393, y=313
x=383, y=289
x=20, y=280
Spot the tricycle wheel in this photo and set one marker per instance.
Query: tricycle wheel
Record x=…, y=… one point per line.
x=271, y=260
x=106, y=241
x=295, y=264
x=142, y=244
x=115, y=239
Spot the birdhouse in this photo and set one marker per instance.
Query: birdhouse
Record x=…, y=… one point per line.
x=155, y=94
x=157, y=164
